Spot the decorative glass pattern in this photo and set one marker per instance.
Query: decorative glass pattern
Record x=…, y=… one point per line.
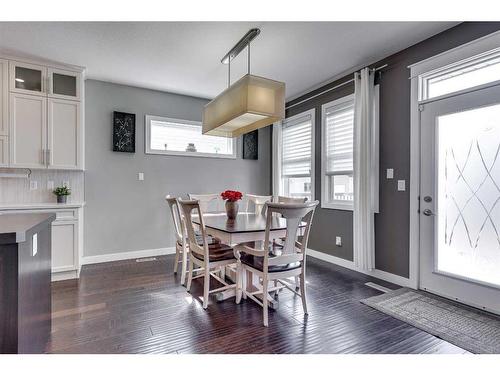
x=468, y=201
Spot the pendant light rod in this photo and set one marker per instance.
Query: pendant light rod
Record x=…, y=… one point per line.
x=240, y=46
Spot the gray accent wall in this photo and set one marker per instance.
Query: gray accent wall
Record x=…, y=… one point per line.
x=392, y=223
x=123, y=214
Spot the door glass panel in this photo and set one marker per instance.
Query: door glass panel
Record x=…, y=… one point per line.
x=468, y=201
x=28, y=79
x=63, y=84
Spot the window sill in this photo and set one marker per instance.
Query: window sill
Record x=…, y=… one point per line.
x=191, y=154
x=338, y=206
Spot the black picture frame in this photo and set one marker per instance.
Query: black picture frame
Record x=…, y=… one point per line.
x=251, y=145
x=123, y=132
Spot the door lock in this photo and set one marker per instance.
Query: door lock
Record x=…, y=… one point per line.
x=428, y=212
x=427, y=199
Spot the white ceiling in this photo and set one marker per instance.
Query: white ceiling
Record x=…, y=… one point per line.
x=184, y=57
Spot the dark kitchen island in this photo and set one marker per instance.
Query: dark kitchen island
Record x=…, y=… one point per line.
x=25, y=282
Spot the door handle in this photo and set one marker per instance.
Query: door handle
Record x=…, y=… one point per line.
x=428, y=212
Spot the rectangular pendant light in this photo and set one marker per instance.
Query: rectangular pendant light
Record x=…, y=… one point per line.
x=250, y=103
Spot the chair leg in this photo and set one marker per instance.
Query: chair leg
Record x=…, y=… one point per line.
x=206, y=286
x=265, y=284
x=297, y=285
x=244, y=281
x=303, y=292
x=276, y=285
x=223, y=272
x=184, y=267
x=176, y=261
x=190, y=276
x=238, y=283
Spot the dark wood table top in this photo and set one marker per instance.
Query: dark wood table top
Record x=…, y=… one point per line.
x=244, y=222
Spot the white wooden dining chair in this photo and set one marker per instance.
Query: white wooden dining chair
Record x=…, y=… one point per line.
x=207, y=256
x=276, y=263
x=181, y=242
x=258, y=202
x=207, y=201
x=181, y=246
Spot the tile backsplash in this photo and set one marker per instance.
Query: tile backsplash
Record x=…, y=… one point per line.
x=14, y=190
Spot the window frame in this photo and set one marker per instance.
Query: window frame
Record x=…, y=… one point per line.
x=279, y=149
x=147, y=140
x=325, y=203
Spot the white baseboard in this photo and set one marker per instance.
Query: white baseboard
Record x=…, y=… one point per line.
x=386, y=276
x=127, y=255
x=65, y=275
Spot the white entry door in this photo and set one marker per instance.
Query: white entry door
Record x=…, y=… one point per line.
x=460, y=198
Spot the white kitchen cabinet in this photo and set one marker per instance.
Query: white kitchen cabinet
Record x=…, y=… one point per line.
x=64, y=246
x=65, y=136
x=64, y=84
x=4, y=97
x=28, y=131
x=4, y=151
x=41, y=114
x=26, y=78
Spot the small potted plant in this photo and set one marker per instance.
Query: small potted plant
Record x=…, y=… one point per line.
x=231, y=197
x=62, y=193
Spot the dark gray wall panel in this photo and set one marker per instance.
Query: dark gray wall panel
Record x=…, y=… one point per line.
x=392, y=223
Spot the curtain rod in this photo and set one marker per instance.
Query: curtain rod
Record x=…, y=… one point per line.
x=333, y=88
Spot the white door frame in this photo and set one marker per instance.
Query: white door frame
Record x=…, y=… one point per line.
x=463, y=52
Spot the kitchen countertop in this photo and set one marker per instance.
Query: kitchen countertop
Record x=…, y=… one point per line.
x=15, y=226
x=33, y=206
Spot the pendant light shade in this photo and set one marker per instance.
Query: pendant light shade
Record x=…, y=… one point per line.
x=250, y=103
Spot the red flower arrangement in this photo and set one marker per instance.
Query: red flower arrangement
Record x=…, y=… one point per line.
x=231, y=195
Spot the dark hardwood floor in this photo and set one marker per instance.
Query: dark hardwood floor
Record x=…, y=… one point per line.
x=141, y=307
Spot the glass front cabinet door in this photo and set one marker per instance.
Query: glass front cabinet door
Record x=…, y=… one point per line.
x=28, y=78
x=64, y=84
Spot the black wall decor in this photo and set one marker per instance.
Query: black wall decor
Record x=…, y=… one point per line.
x=123, y=132
x=251, y=145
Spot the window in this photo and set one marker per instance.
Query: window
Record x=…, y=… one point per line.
x=294, y=154
x=337, y=154
x=181, y=137
x=466, y=74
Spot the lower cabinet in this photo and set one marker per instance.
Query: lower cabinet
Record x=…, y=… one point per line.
x=67, y=241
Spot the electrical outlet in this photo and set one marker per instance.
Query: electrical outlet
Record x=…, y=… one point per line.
x=50, y=185
x=140, y=176
x=390, y=173
x=401, y=185
x=338, y=241
x=33, y=185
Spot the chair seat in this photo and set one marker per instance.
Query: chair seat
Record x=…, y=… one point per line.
x=257, y=262
x=217, y=252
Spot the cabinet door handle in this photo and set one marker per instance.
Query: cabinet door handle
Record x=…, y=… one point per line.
x=48, y=157
x=43, y=157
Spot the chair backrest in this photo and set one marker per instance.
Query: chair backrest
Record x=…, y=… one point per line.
x=282, y=199
x=177, y=218
x=258, y=202
x=207, y=201
x=188, y=207
x=294, y=214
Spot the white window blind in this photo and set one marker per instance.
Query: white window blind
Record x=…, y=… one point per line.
x=338, y=153
x=296, y=159
x=339, y=138
x=294, y=156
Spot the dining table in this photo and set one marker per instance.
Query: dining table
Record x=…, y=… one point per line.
x=246, y=227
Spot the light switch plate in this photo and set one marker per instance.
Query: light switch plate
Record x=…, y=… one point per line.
x=390, y=173
x=140, y=176
x=33, y=185
x=34, y=244
x=50, y=185
x=401, y=185
x=338, y=241
x=66, y=183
